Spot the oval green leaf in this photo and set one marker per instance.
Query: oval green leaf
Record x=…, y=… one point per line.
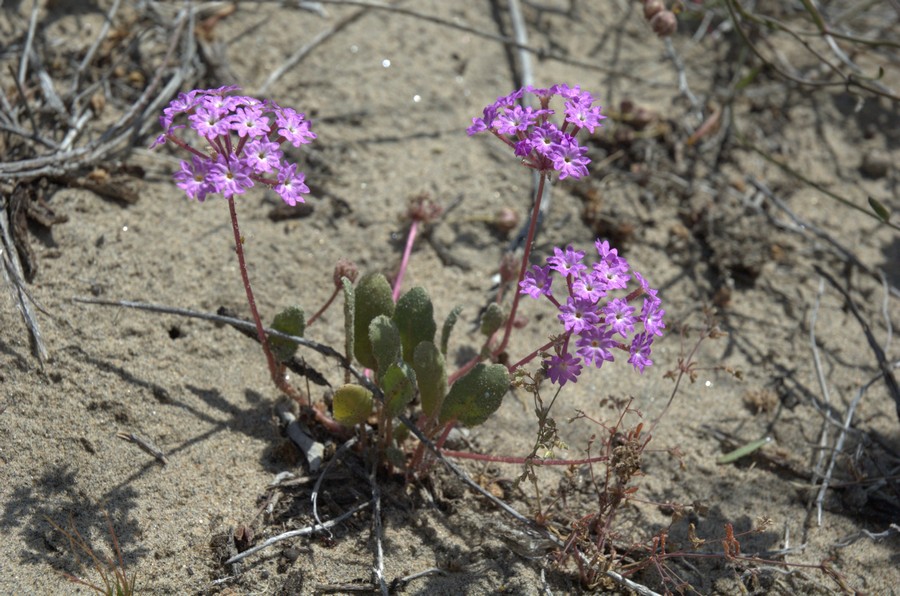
x=477, y=395
x=414, y=316
x=293, y=322
x=399, y=387
x=431, y=375
x=352, y=404
x=371, y=299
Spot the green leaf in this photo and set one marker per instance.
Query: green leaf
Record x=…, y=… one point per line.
x=372, y=298
x=431, y=373
x=477, y=395
x=414, y=316
x=293, y=322
x=399, y=386
x=349, y=315
x=880, y=210
x=385, y=341
x=352, y=404
x=448, y=327
x=492, y=319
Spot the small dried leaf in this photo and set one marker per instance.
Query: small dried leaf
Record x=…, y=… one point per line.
x=880, y=210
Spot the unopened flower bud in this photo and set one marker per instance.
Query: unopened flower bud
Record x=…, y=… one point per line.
x=345, y=268
x=664, y=23
x=505, y=220
x=652, y=8
x=423, y=208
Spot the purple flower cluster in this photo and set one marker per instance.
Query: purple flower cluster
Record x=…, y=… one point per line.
x=540, y=143
x=243, y=137
x=598, y=321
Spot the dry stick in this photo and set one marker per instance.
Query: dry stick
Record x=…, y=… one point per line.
x=327, y=351
x=26, y=51
x=61, y=162
x=295, y=533
x=521, y=36
x=892, y=529
x=12, y=274
x=803, y=227
x=886, y=372
x=540, y=53
x=527, y=78
x=826, y=396
x=889, y=328
x=683, y=86
x=839, y=444
x=331, y=352
x=101, y=36
x=306, y=49
x=378, y=570
x=144, y=444
x=312, y=449
x=314, y=498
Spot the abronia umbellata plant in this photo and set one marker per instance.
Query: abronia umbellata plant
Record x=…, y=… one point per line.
x=237, y=144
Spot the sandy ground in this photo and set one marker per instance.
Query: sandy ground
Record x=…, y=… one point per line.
x=390, y=96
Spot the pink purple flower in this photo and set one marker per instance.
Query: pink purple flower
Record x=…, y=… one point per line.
x=537, y=282
x=563, y=368
x=542, y=144
x=240, y=143
x=597, y=313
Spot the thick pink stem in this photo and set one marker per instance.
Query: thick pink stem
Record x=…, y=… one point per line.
x=404, y=262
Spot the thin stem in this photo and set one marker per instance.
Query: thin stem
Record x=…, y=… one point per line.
x=313, y=318
x=531, y=356
x=274, y=367
x=532, y=228
x=404, y=262
x=535, y=212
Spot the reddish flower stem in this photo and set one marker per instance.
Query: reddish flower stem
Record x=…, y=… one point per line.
x=531, y=356
x=275, y=369
x=404, y=262
x=532, y=228
x=325, y=306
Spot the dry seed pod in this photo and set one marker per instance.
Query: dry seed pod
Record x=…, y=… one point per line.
x=664, y=23
x=652, y=8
